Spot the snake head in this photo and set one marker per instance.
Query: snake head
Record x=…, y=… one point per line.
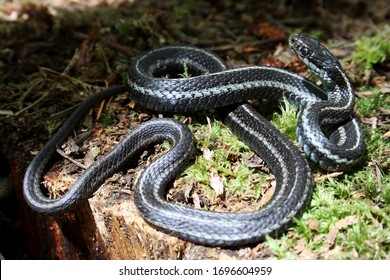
x=315, y=56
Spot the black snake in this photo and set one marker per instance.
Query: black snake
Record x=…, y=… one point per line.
x=327, y=131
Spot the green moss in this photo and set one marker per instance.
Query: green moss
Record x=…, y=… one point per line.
x=106, y=119
x=185, y=74
x=371, y=105
x=353, y=195
x=385, y=195
x=52, y=126
x=372, y=50
x=286, y=120
x=216, y=145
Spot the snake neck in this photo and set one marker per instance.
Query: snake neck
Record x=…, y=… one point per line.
x=339, y=88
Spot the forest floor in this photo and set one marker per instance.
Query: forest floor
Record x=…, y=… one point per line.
x=54, y=54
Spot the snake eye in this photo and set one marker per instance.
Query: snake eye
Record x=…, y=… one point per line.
x=304, y=51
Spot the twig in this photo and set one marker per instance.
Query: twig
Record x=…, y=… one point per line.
x=71, y=159
x=75, y=80
x=32, y=104
x=63, y=113
x=331, y=175
x=99, y=112
x=48, y=70
x=115, y=46
x=7, y=113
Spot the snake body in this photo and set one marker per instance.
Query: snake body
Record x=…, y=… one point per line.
x=215, y=85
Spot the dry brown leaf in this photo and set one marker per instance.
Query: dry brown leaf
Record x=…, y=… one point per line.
x=131, y=104
x=98, y=130
x=217, y=184
x=364, y=94
x=71, y=147
x=313, y=224
x=384, y=111
x=370, y=244
x=358, y=195
x=331, y=237
x=347, y=221
x=248, y=48
x=273, y=62
x=381, y=82
x=267, y=196
x=254, y=161
x=307, y=254
x=188, y=187
x=334, y=253
x=207, y=154
x=91, y=155
x=300, y=245
x=343, y=223
x=196, y=200
x=266, y=30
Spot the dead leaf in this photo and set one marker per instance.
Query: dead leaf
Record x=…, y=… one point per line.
x=71, y=147
x=188, y=188
x=207, y=154
x=273, y=62
x=266, y=30
x=331, y=237
x=334, y=253
x=364, y=94
x=131, y=104
x=300, y=245
x=217, y=184
x=307, y=254
x=347, y=221
x=248, y=48
x=196, y=200
x=98, y=130
x=254, y=161
x=267, y=196
x=358, y=194
x=90, y=157
x=343, y=223
x=313, y=224
x=384, y=111
x=380, y=82
x=370, y=244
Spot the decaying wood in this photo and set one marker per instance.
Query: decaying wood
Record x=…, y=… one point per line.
x=109, y=226
x=127, y=236
x=97, y=230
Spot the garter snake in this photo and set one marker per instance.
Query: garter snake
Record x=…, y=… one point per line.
x=327, y=131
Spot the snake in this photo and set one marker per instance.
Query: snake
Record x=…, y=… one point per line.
x=327, y=130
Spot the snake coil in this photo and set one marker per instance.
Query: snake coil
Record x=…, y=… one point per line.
x=213, y=85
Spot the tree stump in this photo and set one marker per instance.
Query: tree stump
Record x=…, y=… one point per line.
x=108, y=226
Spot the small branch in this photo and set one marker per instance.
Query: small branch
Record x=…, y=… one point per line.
x=331, y=175
x=71, y=159
x=32, y=104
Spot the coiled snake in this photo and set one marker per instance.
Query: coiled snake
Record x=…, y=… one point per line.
x=327, y=131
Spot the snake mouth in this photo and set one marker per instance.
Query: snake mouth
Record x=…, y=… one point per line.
x=293, y=41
